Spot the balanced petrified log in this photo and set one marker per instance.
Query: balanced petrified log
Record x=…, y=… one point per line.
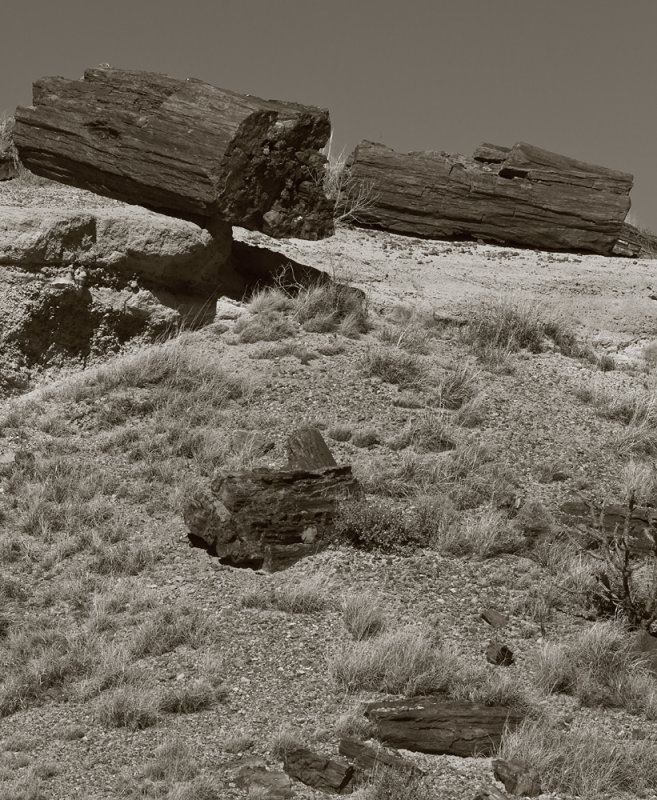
x=453, y=727
x=181, y=147
x=267, y=518
x=320, y=772
x=521, y=196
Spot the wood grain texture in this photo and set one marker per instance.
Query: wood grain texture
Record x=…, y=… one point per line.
x=181, y=147
x=533, y=198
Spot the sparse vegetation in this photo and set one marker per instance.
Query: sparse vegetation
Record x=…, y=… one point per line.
x=395, y=366
x=362, y=615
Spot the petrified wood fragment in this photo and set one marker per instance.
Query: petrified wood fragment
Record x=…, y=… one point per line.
x=368, y=758
x=268, y=518
x=522, y=195
x=181, y=147
x=517, y=777
x=320, y=772
x=429, y=725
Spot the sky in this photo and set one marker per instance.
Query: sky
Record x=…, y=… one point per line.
x=575, y=76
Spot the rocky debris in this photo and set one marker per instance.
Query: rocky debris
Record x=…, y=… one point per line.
x=181, y=147
x=266, y=784
x=227, y=308
x=499, y=654
x=494, y=618
x=530, y=197
x=452, y=727
x=635, y=243
x=611, y=519
x=267, y=518
x=159, y=250
x=320, y=772
x=517, y=777
x=369, y=758
x=8, y=167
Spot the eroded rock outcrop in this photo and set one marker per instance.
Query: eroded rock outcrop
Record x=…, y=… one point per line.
x=181, y=147
x=172, y=253
x=522, y=195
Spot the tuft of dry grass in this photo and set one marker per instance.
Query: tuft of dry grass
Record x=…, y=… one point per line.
x=484, y=533
x=304, y=596
x=582, y=762
x=395, y=366
x=362, y=615
x=403, y=661
x=457, y=387
x=129, y=707
x=601, y=668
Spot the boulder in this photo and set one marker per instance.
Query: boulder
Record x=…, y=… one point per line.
x=452, y=727
x=162, y=251
x=181, y=147
x=522, y=195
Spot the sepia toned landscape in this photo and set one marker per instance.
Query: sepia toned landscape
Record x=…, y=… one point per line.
x=345, y=486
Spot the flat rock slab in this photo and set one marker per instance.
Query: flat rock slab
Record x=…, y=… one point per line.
x=181, y=147
x=454, y=727
x=167, y=252
x=522, y=195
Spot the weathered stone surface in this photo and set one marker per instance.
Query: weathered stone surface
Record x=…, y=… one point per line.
x=454, y=727
x=635, y=243
x=532, y=198
x=612, y=518
x=267, y=784
x=268, y=518
x=307, y=450
x=181, y=147
x=494, y=618
x=320, y=772
x=163, y=251
x=517, y=777
x=368, y=758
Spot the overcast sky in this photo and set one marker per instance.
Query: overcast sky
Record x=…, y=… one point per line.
x=575, y=76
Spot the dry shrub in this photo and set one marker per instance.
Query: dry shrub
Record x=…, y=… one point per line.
x=397, y=367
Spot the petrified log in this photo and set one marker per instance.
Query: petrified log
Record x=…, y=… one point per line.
x=268, y=518
x=368, y=758
x=611, y=519
x=319, y=771
x=453, y=727
x=181, y=147
x=521, y=196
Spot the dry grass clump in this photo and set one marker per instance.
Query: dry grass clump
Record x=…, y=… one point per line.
x=129, y=707
x=365, y=437
x=601, y=668
x=403, y=661
x=391, y=784
x=170, y=627
x=339, y=433
x=283, y=349
x=304, y=596
x=362, y=615
x=407, y=334
x=188, y=697
x=428, y=432
x=484, y=533
x=268, y=326
x=582, y=762
x=503, y=325
x=172, y=761
x=395, y=366
x=456, y=387
x=331, y=306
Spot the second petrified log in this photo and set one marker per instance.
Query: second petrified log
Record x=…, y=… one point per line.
x=181, y=147
x=522, y=195
x=269, y=518
x=429, y=725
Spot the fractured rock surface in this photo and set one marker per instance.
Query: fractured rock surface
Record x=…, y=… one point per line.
x=522, y=195
x=181, y=147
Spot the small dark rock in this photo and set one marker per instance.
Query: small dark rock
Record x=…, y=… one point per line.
x=499, y=654
x=517, y=777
